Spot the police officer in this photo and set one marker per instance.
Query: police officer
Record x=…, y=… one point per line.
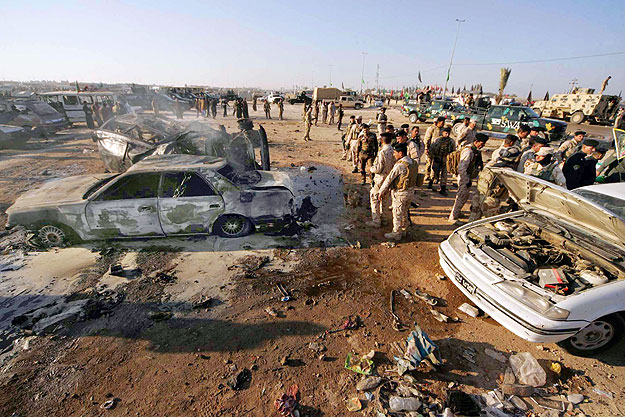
x=530, y=154
x=523, y=133
x=439, y=149
x=367, y=150
x=432, y=133
x=570, y=146
x=580, y=169
x=546, y=167
x=382, y=166
x=400, y=182
x=507, y=155
x=307, y=123
x=381, y=118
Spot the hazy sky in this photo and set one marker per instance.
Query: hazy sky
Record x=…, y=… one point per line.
x=273, y=44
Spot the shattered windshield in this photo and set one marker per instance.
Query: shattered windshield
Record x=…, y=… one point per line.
x=239, y=177
x=97, y=186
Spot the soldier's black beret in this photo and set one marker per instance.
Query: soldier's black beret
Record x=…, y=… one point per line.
x=386, y=135
x=365, y=125
x=602, y=147
x=541, y=140
x=590, y=142
x=481, y=137
x=405, y=126
x=401, y=133
x=537, y=128
x=579, y=132
x=440, y=119
x=524, y=128
x=447, y=129
x=401, y=147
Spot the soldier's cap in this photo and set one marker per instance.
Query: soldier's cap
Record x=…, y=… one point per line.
x=541, y=140
x=481, y=137
x=386, y=135
x=537, y=128
x=509, y=154
x=524, y=128
x=351, y=117
x=440, y=119
x=544, y=151
x=602, y=147
x=365, y=125
x=579, y=132
x=447, y=129
x=590, y=142
x=512, y=137
x=359, y=117
x=405, y=126
x=401, y=133
x=383, y=108
x=401, y=147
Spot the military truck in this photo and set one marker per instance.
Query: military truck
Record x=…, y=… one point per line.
x=303, y=97
x=508, y=119
x=580, y=106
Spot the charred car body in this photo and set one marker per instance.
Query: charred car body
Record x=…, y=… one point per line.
x=552, y=272
x=36, y=117
x=126, y=140
x=12, y=136
x=168, y=195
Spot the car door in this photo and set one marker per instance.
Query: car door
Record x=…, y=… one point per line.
x=127, y=207
x=187, y=203
x=492, y=120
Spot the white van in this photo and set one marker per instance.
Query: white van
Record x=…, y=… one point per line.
x=71, y=102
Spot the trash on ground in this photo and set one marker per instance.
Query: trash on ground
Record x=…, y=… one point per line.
x=418, y=347
x=369, y=383
x=462, y=403
x=354, y=404
x=238, y=381
x=498, y=356
x=527, y=369
x=575, y=398
x=469, y=310
x=117, y=270
x=160, y=315
x=518, y=390
x=287, y=402
x=431, y=300
x=359, y=365
x=603, y=393
x=404, y=404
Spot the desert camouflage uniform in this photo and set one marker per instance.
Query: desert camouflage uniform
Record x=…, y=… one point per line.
x=465, y=136
x=345, y=138
x=527, y=158
x=307, y=124
x=401, y=181
x=381, y=118
x=552, y=172
x=468, y=162
x=382, y=165
x=567, y=149
x=432, y=133
x=367, y=150
x=353, y=143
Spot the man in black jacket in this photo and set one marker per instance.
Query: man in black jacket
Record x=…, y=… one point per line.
x=580, y=169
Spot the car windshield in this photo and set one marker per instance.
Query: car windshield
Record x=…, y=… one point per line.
x=613, y=204
x=97, y=186
x=239, y=177
x=530, y=112
x=42, y=109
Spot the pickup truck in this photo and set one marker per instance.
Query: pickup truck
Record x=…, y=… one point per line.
x=302, y=97
x=429, y=111
x=508, y=119
x=349, y=102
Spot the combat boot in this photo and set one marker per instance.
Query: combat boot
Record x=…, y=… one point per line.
x=430, y=184
x=443, y=191
x=374, y=224
x=393, y=235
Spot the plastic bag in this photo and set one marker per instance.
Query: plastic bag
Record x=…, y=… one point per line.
x=527, y=369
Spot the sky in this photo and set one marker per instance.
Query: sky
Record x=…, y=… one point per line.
x=282, y=44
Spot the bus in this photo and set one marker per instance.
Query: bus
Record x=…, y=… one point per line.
x=70, y=102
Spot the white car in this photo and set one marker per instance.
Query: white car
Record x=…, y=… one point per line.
x=554, y=271
x=275, y=97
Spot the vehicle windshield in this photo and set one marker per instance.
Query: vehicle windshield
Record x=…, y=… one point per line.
x=530, y=112
x=239, y=177
x=613, y=204
x=42, y=109
x=97, y=186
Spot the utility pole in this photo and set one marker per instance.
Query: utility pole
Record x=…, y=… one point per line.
x=362, y=74
x=377, y=79
x=453, y=51
x=330, y=75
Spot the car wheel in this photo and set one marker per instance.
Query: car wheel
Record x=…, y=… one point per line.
x=52, y=235
x=598, y=336
x=357, y=106
x=578, y=117
x=233, y=226
x=413, y=118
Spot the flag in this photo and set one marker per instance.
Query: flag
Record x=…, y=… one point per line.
x=420, y=77
x=481, y=90
x=546, y=96
x=342, y=87
x=453, y=90
x=77, y=88
x=529, y=97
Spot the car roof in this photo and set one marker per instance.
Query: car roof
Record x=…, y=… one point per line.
x=616, y=190
x=177, y=162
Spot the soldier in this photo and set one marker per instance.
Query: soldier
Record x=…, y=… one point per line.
x=224, y=104
x=254, y=99
x=468, y=169
x=199, y=101
x=469, y=102
x=466, y=134
x=415, y=138
x=432, y=133
x=214, y=107
x=344, y=137
x=571, y=146
x=340, y=114
x=580, y=169
x=316, y=111
x=604, y=84
x=405, y=128
x=523, y=132
x=381, y=167
x=324, y=112
x=546, y=167
x=281, y=109
x=412, y=147
x=455, y=130
x=535, y=132
x=400, y=181
x=507, y=155
x=205, y=106
x=353, y=142
x=107, y=113
x=439, y=149
x=529, y=155
x=332, y=113
x=381, y=118
x=367, y=150
x=308, y=123
x=267, y=108
x=88, y=115
x=95, y=108
x=619, y=122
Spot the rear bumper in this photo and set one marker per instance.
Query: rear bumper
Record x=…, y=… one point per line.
x=506, y=315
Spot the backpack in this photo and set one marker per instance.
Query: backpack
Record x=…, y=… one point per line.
x=453, y=160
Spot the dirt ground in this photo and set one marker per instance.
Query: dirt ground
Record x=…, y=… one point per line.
x=169, y=337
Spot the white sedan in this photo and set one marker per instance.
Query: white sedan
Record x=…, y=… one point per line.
x=552, y=272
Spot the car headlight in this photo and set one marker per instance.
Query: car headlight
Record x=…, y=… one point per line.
x=533, y=300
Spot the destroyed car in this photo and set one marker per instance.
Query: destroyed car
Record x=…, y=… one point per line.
x=168, y=195
x=36, y=117
x=126, y=140
x=12, y=136
x=554, y=271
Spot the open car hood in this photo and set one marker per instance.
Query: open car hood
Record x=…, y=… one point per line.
x=534, y=194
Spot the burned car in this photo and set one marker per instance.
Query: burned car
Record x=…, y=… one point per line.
x=126, y=140
x=36, y=117
x=168, y=195
x=12, y=136
x=554, y=271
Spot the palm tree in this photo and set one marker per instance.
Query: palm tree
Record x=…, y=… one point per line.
x=503, y=81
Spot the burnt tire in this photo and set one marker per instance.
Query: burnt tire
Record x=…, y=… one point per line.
x=598, y=336
x=56, y=235
x=233, y=226
x=413, y=118
x=578, y=117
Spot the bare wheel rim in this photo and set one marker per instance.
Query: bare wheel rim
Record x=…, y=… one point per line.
x=595, y=335
x=51, y=235
x=233, y=226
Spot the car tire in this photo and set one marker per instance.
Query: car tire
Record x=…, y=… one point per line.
x=578, y=117
x=598, y=336
x=357, y=106
x=56, y=235
x=413, y=118
x=233, y=226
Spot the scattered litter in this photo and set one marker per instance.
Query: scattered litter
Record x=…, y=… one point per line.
x=498, y=356
x=286, y=295
x=349, y=227
x=272, y=312
x=317, y=347
x=469, y=310
x=406, y=294
x=369, y=383
x=462, y=403
x=389, y=244
x=354, y=404
x=603, y=393
x=447, y=413
x=237, y=382
x=549, y=404
x=518, y=390
x=468, y=356
x=404, y=404
x=441, y=277
x=287, y=402
x=433, y=301
x=359, y=365
x=110, y=404
x=443, y=318
x=556, y=367
x=350, y=323
x=518, y=403
x=508, y=376
x=204, y=302
x=117, y=270
x=527, y=369
x=575, y=398
x=369, y=396
x=369, y=355
x=419, y=347
x=396, y=322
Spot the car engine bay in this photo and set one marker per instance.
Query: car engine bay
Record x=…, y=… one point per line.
x=547, y=254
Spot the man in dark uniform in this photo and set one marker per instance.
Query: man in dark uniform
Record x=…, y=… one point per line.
x=88, y=115
x=580, y=169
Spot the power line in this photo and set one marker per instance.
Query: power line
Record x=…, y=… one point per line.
x=546, y=60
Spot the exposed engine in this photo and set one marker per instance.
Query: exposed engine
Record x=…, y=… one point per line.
x=547, y=254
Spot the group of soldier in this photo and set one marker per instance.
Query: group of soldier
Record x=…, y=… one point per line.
x=329, y=111
x=206, y=107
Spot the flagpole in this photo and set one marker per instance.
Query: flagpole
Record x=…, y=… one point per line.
x=453, y=51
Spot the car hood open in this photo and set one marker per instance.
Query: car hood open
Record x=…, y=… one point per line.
x=56, y=192
x=534, y=194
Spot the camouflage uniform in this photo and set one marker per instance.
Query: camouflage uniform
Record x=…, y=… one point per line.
x=281, y=110
x=470, y=158
x=430, y=134
x=353, y=143
x=381, y=119
x=567, y=149
x=439, y=149
x=345, y=139
x=401, y=181
x=307, y=124
x=465, y=136
x=367, y=150
x=382, y=165
x=551, y=172
x=527, y=157
x=324, y=113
